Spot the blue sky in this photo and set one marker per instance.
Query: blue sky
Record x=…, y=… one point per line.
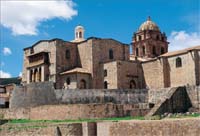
x=23, y=23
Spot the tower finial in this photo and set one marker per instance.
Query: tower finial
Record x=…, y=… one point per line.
x=149, y=18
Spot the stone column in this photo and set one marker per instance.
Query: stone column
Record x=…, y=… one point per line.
x=42, y=74
x=28, y=76
x=33, y=75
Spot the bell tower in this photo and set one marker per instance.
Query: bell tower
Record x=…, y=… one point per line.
x=79, y=34
x=149, y=41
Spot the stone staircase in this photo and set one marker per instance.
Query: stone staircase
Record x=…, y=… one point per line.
x=160, y=103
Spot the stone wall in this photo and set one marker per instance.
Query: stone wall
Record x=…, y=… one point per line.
x=153, y=74
x=171, y=127
x=44, y=94
x=76, y=111
x=193, y=93
x=74, y=129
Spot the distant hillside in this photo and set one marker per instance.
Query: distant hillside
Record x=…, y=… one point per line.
x=15, y=80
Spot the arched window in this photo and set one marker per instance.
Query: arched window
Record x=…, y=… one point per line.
x=136, y=52
x=40, y=74
x=68, y=81
x=67, y=55
x=83, y=84
x=158, y=37
x=80, y=35
x=163, y=39
x=132, y=84
x=162, y=50
x=111, y=54
x=178, y=62
x=105, y=72
x=140, y=37
x=154, y=50
x=76, y=34
x=143, y=50
x=105, y=85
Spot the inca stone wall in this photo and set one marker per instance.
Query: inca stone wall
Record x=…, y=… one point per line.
x=76, y=111
x=171, y=127
x=44, y=94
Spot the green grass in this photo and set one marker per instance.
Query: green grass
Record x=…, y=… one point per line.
x=186, y=116
x=74, y=121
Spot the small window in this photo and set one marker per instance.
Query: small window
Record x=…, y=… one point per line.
x=105, y=85
x=136, y=52
x=140, y=37
x=67, y=54
x=154, y=50
x=158, y=37
x=143, y=50
x=82, y=84
x=105, y=73
x=68, y=81
x=163, y=39
x=111, y=54
x=80, y=35
x=162, y=50
x=178, y=62
x=31, y=51
x=132, y=84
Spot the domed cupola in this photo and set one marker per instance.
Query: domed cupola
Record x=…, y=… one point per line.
x=148, y=25
x=148, y=41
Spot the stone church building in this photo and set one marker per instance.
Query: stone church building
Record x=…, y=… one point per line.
x=98, y=63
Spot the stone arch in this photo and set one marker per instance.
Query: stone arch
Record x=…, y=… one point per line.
x=105, y=85
x=178, y=62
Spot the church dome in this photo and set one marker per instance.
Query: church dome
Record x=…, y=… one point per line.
x=149, y=25
x=79, y=27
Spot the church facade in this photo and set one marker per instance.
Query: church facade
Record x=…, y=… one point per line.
x=98, y=63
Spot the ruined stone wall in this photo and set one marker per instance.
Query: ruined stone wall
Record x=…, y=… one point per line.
x=172, y=127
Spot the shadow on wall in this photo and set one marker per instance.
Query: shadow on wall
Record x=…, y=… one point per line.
x=176, y=101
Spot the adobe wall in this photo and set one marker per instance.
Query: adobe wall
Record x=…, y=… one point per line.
x=170, y=127
x=44, y=94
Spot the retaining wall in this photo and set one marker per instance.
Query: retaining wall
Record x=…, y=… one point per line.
x=44, y=94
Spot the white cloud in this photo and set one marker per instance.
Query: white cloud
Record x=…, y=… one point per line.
x=7, y=51
x=4, y=74
x=181, y=39
x=20, y=74
x=23, y=17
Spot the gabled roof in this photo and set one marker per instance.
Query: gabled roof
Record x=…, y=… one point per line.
x=76, y=70
x=174, y=53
